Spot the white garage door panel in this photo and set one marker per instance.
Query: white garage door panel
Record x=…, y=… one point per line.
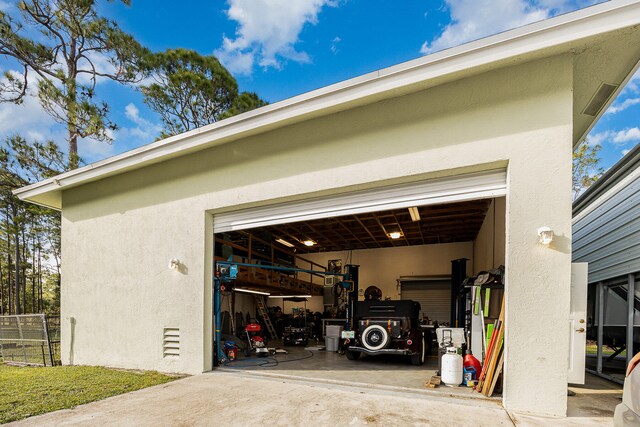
x=434, y=298
x=471, y=186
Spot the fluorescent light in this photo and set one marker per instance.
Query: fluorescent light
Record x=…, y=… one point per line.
x=249, y=291
x=395, y=234
x=308, y=242
x=284, y=242
x=290, y=296
x=415, y=214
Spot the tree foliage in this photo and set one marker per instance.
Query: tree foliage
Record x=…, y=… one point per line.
x=190, y=90
x=30, y=239
x=245, y=101
x=67, y=47
x=64, y=48
x=586, y=169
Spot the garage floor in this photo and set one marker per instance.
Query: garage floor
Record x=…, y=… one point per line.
x=382, y=371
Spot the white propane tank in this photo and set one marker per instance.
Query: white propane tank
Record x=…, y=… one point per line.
x=451, y=374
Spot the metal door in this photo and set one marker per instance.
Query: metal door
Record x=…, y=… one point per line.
x=577, y=323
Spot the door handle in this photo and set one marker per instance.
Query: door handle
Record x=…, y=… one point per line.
x=581, y=330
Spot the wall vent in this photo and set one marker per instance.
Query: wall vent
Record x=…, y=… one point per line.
x=171, y=342
x=599, y=99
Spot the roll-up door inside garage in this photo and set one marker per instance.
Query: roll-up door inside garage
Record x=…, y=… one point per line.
x=433, y=294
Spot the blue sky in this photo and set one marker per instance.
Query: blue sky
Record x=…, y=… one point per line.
x=281, y=48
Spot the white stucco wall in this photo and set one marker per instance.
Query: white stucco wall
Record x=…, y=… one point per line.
x=119, y=234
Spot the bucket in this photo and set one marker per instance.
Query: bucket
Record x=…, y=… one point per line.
x=331, y=343
x=334, y=330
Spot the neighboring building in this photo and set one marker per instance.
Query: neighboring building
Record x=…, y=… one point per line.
x=492, y=118
x=606, y=234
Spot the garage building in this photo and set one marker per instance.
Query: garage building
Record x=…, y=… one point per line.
x=490, y=124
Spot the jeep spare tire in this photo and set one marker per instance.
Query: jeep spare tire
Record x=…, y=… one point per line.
x=375, y=337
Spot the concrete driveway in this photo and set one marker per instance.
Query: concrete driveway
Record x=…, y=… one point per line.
x=242, y=399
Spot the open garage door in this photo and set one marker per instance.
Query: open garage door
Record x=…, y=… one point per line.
x=399, y=239
x=457, y=188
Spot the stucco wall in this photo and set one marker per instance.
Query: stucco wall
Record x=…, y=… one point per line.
x=489, y=245
x=119, y=234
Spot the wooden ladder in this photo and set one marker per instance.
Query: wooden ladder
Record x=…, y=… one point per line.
x=262, y=310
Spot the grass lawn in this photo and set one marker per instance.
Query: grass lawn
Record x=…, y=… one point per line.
x=27, y=391
x=606, y=351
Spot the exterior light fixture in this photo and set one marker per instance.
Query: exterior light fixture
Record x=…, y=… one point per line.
x=249, y=291
x=289, y=296
x=284, y=242
x=545, y=235
x=415, y=214
x=308, y=242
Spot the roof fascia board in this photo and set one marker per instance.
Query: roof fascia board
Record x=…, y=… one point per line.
x=629, y=164
x=560, y=30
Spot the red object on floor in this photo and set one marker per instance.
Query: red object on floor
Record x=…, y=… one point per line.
x=470, y=361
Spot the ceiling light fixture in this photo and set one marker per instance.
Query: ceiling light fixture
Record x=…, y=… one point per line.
x=415, y=214
x=284, y=242
x=308, y=242
x=393, y=231
x=249, y=291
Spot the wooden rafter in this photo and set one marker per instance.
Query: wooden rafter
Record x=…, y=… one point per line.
x=453, y=222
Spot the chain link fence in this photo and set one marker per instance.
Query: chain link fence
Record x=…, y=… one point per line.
x=25, y=340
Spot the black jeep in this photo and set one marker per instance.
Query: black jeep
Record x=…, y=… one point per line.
x=387, y=327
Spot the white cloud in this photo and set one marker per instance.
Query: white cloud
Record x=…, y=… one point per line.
x=629, y=102
x=334, y=44
x=627, y=135
x=91, y=150
x=267, y=32
x=625, y=152
x=28, y=118
x=101, y=63
x=143, y=132
x=618, y=138
x=474, y=19
x=132, y=112
x=32, y=122
x=598, y=138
